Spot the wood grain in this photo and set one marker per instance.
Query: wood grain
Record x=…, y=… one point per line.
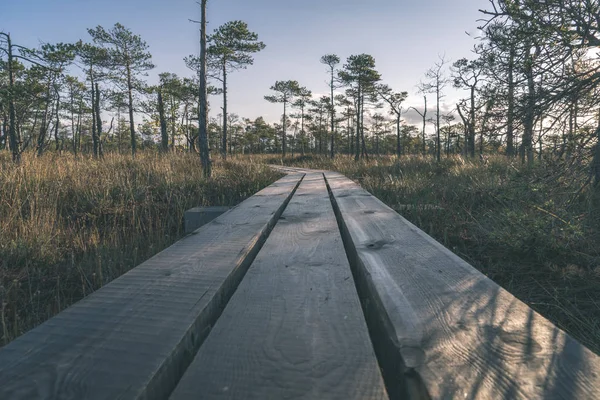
x=294, y=329
x=459, y=333
x=134, y=338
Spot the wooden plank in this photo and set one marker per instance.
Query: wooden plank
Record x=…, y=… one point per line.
x=294, y=170
x=459, y=335
x=294, y=328
x=134, y=338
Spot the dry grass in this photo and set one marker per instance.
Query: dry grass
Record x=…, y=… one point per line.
x=68, y=226
x=532, y=230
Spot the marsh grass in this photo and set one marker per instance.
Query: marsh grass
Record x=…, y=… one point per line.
x=70, y=225
x=534, y=230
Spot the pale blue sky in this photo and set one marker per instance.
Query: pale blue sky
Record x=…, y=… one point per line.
x=405, y=37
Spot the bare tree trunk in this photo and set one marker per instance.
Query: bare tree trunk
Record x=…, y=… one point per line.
x=98, y=122
x=424, y=115
x=526, y=145
x=119, y=133
x=164, y=135
x=284, y=130
x=203, y=103
x=350, y=134
x=294, y=138
x=187, y=128
x=365, y=154
x=596, y=160
x=74, y=140
x=5, y=134
x=302, y=133
x=510, y=147
x=14, y=139
x=540, y=139
x=471, y=139
x=78, y=128
x=398, y=145
x=224, y=145
x=44, y=127
x=320, y=134
x=130, y=105
x=466, y=130
x=94, y=134
x=358, y=112
x=437, y=116
x=173, y=125
x=332, y=150
x=57, y=125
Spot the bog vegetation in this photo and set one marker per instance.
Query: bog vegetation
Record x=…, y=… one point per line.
x=508, y=176
x=70, y=225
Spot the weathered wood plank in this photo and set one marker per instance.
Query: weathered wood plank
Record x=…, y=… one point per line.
x=294, y=329
x=460, y=335
x=134, y=338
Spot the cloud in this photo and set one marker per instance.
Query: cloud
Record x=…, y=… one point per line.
x=412, y=117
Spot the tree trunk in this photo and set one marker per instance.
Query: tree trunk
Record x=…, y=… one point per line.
x=98, y=121
x=14, y=139
x=438, y=138
x=164, y=135
x=332, y=150
x=358, y=112
x=424, y=125
x=173, y=125
x=41, y=142
x=596, y=161
x=448, y=141
x=78, y=129
x=471, y=141
x=302, y=135
x=224, y=145
x=320, y=134
x=96, y=146
x=203, y=103
x=130, y=105
x=510, y=149
x=362, y=129
x=284, y=134
x=398, y=145
x=57, y=125
x=119, y=133
x=72, y=106
x=5, y=134
x=526, y=145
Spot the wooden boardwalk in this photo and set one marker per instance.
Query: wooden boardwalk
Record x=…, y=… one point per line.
x=311, y=289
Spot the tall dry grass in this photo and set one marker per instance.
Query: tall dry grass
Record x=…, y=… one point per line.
x=70, y=225
x=534, y=230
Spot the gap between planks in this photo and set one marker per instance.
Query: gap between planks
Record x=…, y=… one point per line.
x=295, y=327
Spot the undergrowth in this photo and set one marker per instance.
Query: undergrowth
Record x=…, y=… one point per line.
x=70, y=225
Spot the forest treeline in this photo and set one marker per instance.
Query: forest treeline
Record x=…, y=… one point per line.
x=531, y=91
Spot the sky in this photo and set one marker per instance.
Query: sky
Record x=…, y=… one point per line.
x=405, y=37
